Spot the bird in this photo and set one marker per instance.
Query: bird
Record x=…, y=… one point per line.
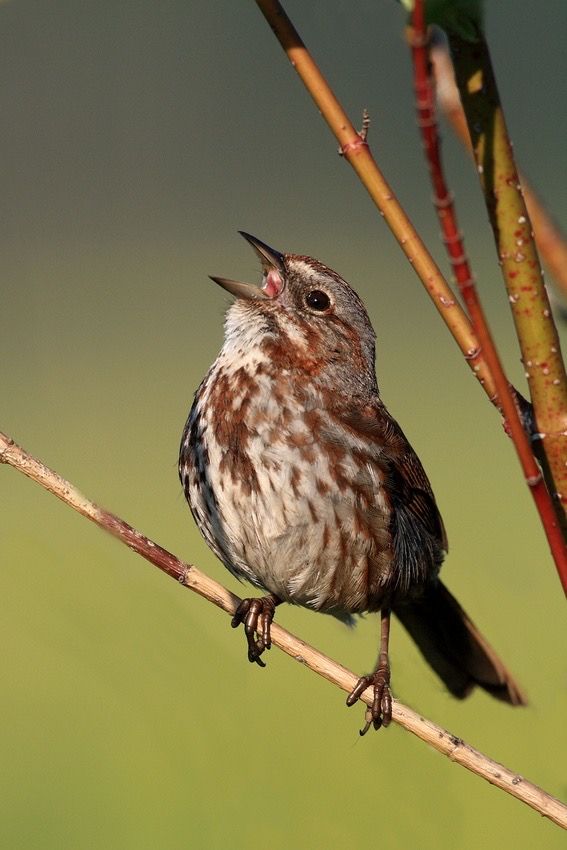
x=305, y=486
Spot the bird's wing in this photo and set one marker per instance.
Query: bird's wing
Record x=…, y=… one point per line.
x=406, y=483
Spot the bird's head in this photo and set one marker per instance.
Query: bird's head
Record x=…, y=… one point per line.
x=304, y=310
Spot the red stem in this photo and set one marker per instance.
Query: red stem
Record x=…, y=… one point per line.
x=443, y=200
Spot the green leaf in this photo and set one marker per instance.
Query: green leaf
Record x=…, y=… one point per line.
x=461, y=17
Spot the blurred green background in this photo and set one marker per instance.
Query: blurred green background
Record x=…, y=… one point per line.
x=136, y=138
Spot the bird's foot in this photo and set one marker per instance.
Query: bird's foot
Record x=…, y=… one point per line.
x=257, y=616
x=380, y=712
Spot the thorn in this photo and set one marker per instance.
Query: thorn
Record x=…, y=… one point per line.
x=363, y=132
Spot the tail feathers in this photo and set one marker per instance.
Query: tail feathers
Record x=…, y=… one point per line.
x=454, y=647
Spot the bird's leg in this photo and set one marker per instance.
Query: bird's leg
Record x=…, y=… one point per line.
x=257, y=615
x=380, y=712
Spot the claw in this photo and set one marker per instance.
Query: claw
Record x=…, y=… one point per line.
x=380, y=712
x=257, y=616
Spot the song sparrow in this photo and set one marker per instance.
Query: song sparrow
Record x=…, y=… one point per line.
x=302, y=482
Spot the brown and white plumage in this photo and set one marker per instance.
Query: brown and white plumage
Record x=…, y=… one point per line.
x=303, y=484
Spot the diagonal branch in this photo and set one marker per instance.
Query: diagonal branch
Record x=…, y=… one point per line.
x=521, y=269
x=551, y=242
x=507, y=398
x=189, y=576
x=354, y=148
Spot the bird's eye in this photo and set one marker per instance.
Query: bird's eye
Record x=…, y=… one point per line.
x=317, y=300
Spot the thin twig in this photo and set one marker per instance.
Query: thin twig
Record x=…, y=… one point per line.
x=444, y=204
x=189, y=576
x=419, y=41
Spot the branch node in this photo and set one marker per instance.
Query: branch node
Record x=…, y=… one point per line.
x=454, y=239
x=6, y=443
x=473, y=353
x=183, y=578
x=425, y=122
x=362, y=136
x=470, y=282
x=443, y=203
x=417, y=39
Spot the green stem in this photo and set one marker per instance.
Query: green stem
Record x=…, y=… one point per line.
x=521, y=269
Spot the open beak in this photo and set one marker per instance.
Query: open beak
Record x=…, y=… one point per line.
x=241, y=290
x=273, y=268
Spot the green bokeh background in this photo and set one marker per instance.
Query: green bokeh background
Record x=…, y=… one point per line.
x=137, y=137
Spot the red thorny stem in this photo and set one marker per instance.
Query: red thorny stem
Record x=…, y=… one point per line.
x=452, y=237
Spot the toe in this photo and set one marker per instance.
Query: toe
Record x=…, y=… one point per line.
x=240, y=613
x=358, y=690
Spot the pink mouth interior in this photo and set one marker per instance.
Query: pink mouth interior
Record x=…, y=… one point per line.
x=273, y=284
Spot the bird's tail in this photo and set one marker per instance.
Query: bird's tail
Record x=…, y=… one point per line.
x=451, y=643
